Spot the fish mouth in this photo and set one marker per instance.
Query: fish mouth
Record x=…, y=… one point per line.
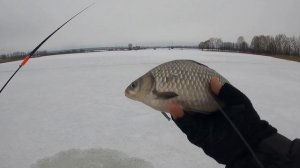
x=130, y=94
x=127, y=93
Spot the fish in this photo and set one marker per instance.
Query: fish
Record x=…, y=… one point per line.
x=182, y=82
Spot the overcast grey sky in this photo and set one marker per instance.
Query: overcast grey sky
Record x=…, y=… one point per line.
x=24, y=23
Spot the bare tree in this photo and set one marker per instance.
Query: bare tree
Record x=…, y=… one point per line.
x=255, y=44
x=287, y=46
x=271, y=46
x=201, y=45
x=129, y=46
x=215, y=43
x=206, y=44
x=239, y=42
x=298, y=46
x=219, y=43
x=279, y=43
x=293, y=45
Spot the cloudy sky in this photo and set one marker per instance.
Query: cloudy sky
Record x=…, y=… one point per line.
x=24, y=23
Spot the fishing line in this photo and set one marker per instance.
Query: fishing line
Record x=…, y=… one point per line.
x=25, y=60
x=166, y=115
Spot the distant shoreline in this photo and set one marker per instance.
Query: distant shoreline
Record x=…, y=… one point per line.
x=290, y=58
x=284, y=57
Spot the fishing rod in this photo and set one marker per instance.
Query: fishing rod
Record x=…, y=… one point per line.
x=25, y=60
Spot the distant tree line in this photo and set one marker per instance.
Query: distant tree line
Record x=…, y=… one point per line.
x=21, y=55
x=280, y=45
x=268, y=45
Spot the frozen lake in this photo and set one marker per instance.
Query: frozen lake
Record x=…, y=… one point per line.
x=75, y=103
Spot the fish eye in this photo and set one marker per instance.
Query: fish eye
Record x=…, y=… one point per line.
x=133, y=85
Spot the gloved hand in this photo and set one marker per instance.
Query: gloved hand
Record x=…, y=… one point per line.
x=214, y=134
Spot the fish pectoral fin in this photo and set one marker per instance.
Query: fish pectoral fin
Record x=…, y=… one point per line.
x=165, y=95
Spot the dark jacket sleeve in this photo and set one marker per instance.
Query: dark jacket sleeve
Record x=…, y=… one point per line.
x=275, y=151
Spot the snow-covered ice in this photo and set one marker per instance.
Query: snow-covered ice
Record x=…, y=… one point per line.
x=77, y=101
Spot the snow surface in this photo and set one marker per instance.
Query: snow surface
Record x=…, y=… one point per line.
x=77, y=101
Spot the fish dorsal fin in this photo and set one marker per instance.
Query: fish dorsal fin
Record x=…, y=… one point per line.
x=197, y=63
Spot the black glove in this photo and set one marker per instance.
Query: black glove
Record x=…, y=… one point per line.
x=215, y=135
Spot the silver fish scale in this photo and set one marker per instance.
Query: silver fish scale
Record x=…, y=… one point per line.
x=188, y=79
